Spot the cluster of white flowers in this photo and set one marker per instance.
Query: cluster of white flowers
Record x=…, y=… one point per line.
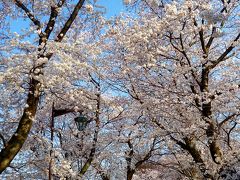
x=89, y=8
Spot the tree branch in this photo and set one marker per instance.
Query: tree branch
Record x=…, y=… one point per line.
x=201, y=36
x=29, y=14
x=147, y=156
x=91, y=155
x=229, y=133
x=130, y=171
x=227, y=119
x=70, y=20
x=95, y=138
x=210, y=41
x=225, y=53
x=52, y=18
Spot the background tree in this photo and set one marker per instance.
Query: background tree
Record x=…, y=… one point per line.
x=182, y=69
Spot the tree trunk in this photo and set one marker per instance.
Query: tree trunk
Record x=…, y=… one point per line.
x=16, y=142
x=212, y=130
x=130, y=173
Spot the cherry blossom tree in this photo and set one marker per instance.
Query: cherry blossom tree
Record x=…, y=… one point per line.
x=24, y=62
x=160, y=90
x=183, y=67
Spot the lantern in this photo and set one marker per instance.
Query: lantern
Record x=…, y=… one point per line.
x=81, y=122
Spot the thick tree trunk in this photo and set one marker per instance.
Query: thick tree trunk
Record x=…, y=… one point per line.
x=190, y=145
x=212, y=130
x=130, y=173
x=16, y=142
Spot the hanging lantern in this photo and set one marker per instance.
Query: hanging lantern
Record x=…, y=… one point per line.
x=81, y=122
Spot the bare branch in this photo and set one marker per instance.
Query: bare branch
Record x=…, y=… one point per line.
x=225, y=53
x=210, y=41
x=227, y=119
x=70, y=20
x=201, y=36
x=29, y=14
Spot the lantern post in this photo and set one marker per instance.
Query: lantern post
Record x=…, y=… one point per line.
x=81, y=122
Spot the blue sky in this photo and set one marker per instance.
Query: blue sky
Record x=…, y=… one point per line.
x=113, y=8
